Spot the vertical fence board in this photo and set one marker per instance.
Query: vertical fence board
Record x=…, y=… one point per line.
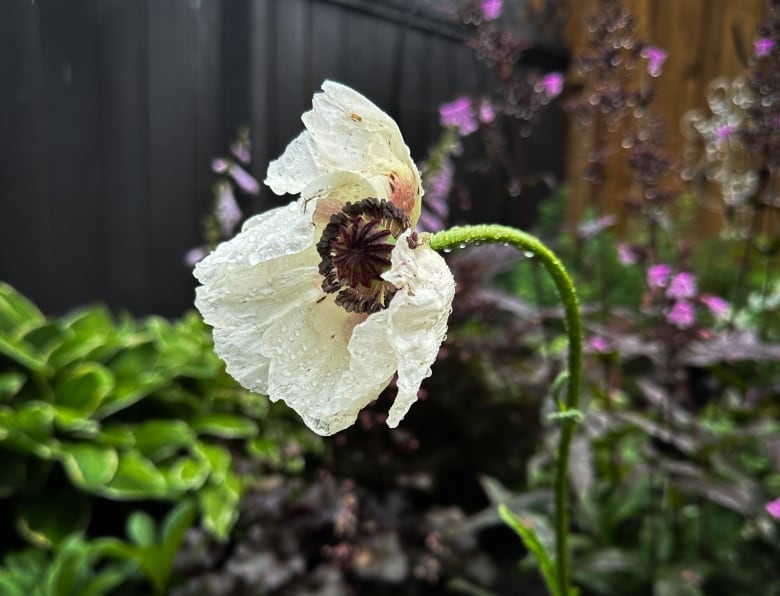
x=124, y=144
x=71, y=121
x=24, y=237
x=260, y=69
x=182, y=109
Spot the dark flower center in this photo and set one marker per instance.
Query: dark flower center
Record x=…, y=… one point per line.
x=355, y=249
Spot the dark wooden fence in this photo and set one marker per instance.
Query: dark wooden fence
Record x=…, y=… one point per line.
x=111, y=111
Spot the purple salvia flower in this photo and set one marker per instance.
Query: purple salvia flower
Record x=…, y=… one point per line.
x=244, y=179
x=682, y=314
x=491, y=9
x=626, y=254
x=194, y=256
x=773, y=508
x=459, y=114
x=763, y=46
x=658, y=275
x=242, y=151
x=683, y=285
x=551, y=84
x=655, y=59
x=220, y=166
x=228, y=212
x=716, y=305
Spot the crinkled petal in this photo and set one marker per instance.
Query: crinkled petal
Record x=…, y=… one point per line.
x=314, y=371
x=417, y=317
x=266, y=271
x=347, y=133
x=298, y=166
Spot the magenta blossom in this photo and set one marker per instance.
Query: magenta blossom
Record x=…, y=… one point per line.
x=683, y=285
x=773, y=508
x=551, y=84
x=716, y=305
x=682, y=314
x=486, y=112
x=655, y=59
x=763, y=46
x=626, y=254
x=598, y=344
x=658, y=275
x=725, y=131
x=459, y=114
x=491, y=9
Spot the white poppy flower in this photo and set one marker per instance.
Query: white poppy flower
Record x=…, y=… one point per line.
x=319, y=303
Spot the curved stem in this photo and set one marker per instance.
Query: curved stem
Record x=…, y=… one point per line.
x=458, y=236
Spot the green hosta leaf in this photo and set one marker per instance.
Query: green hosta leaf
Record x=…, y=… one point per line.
x=531, y=541
x=48, y=520
x=29, y=429
x=219, y=504
x=44, y=338
x=83, y=387
x=187, y=474
x=158, y=439
x=119, y=436
x=10, y=384
x=154, y=550
x=23, y=353
x=216, y=458
x=89, y=466
x=75, y=423
x=141, y=528
x=136, y=478
x=16, y=312
x=135, y=376
x=224, y=425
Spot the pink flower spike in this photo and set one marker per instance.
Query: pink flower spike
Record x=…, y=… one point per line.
x=460, y=115
x=763, y=46
x=773, y=508
x=626, y=254
x=491, y=9
x=682, y=314
x=552, y=84
x=716, y=305
x=655, y=59
x=683, y=285
x=658, y=275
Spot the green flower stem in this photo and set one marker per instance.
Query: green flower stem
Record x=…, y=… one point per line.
x=459, y=236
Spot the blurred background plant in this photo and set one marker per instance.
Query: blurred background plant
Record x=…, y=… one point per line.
x=132, y=462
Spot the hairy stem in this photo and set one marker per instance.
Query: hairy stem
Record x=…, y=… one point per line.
x=459, y=236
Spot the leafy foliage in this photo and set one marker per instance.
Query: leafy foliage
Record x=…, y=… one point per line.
x=95, y=411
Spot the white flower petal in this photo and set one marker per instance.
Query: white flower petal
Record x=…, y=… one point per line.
x=298, y=166
x=347, y=133
x=311, y=367
x=417, y=317
x=252, y=280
